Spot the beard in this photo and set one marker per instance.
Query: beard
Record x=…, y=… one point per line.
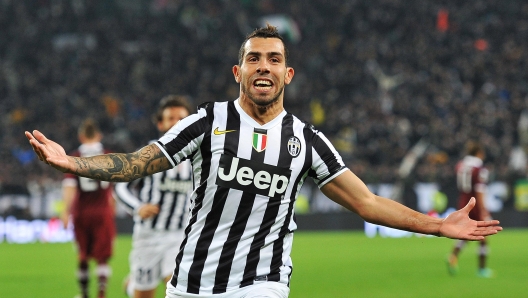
x=262, y=101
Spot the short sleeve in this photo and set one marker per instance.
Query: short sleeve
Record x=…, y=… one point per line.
x=184, y=138
x=326, y=161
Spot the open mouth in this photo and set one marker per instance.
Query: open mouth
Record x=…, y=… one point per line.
x=262, y=85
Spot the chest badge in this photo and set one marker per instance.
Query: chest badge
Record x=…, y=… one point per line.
x=259, y=141
x=294, y=146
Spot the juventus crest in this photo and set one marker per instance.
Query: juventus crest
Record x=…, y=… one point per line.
x=294, y=146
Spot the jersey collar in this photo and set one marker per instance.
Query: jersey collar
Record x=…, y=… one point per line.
x=277, y=120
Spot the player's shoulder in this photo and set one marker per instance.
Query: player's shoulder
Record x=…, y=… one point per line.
x=209, y=108
x=471, y=161
x=205, y=105
x=210, y=105
x=305, y=124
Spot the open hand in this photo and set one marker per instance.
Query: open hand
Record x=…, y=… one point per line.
x=458, y=225
x=49, y=152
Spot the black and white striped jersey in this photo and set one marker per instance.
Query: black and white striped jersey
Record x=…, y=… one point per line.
x=247, y=178
x=170, y=190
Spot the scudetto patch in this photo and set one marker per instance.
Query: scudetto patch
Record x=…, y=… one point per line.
x=260, y=141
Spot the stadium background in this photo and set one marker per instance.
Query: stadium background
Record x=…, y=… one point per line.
x=378, y=77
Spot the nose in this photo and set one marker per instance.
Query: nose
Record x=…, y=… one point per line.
x=263, y=67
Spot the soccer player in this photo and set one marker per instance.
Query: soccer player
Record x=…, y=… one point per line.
x=250, y=158
x=472, y=179
x=91, y=205
x=160, y=206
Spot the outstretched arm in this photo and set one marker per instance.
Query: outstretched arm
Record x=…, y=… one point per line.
x=349, y=191
x=115, y=167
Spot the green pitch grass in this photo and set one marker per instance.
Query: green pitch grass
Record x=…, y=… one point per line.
x=329, y=264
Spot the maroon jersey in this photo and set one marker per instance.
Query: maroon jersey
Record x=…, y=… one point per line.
x=472, y=177
x=92, y=210
x=93, y=196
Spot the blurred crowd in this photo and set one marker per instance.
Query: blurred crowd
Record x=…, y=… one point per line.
x=376, y=76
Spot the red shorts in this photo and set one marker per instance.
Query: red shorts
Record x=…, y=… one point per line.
x=94, y=234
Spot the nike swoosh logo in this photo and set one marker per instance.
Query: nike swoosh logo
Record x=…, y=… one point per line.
x=221, y=132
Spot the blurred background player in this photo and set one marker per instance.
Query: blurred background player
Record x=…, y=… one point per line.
x=472, y=179
x=91, y=205
x=159, y=204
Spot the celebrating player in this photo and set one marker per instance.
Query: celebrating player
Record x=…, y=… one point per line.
x=250, y=158
x=91, y=206
x=472, y=178
x=160, y=206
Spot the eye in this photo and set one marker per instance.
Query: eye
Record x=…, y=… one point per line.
x=252, y=59
x=275, y=60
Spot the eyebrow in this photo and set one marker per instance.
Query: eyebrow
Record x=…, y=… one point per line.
x=270, y=54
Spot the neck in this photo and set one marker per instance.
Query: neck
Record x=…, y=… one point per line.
x=261, y=114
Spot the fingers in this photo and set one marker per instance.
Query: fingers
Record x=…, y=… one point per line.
x=147, y=214
x=38, y=141
x=488, y=223
x=470, y=204
x=487, y=231
x=153, y=211
x=148, y=210
x=29, y=136
x=40, y=136
x=475, y=238
x=36, y=145
x=479, y=234
x=36, y=135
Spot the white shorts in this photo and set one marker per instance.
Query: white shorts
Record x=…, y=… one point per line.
x=152, y=258
x=260, y=290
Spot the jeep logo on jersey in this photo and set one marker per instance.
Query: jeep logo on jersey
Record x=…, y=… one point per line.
x=294, y=146
x=253, y=177
x=259, y=141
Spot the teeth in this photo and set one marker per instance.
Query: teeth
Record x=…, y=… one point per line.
x=263, y=82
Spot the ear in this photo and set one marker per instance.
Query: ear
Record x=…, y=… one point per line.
x=236, y=73
x=289, y=75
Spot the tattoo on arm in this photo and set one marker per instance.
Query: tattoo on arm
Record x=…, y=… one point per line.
x=122, y=167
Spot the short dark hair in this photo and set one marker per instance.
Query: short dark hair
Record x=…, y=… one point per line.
x=473, y=148
x=172, y=100
x=265, y=32
x=88, y=128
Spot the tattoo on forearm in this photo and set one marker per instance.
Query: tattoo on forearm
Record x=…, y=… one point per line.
x=119, y=167
x=146, y=154
x=81, y=164
x=118, y=164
